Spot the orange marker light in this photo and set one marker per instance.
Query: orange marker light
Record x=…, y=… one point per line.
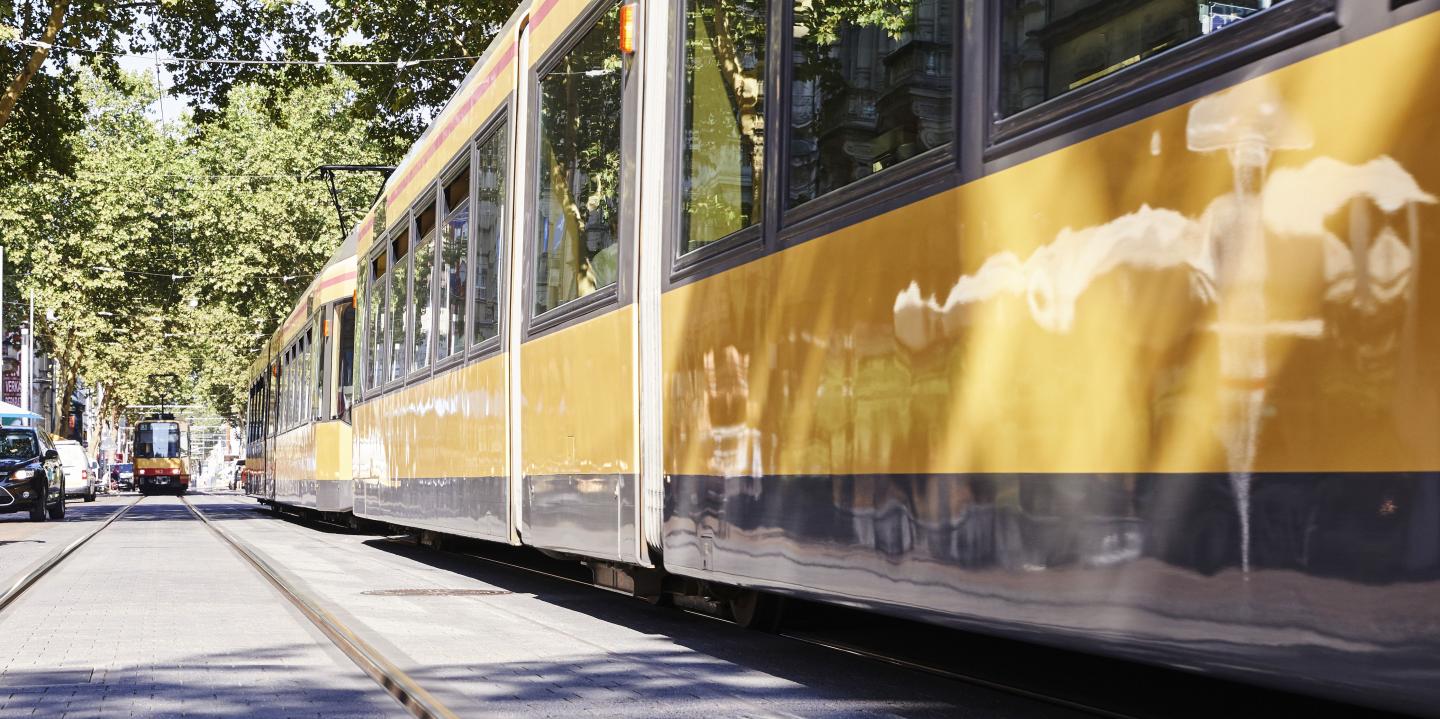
x=627, y=28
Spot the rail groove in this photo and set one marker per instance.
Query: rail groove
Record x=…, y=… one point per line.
x=392, y=679
x=29, y=579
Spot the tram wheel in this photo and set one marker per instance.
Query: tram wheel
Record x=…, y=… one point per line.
x=761, y=611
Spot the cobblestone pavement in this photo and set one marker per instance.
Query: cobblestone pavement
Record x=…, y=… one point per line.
x=155, y=617
x=539, y=647
x=23, y=543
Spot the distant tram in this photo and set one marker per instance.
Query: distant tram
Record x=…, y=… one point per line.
x=162, y=455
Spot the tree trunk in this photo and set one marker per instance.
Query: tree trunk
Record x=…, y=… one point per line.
x=37, y=58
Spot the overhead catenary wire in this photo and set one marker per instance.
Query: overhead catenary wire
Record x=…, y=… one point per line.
x=175, y=60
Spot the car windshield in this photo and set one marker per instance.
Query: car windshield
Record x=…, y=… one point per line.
x=157, y=440
x=17, y=444
x=126, y=467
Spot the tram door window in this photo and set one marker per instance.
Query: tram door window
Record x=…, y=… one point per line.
x=869, y=90
x=1049, y=49
x=454, y=269
x=345, y=397
x=724, y=121
x=422, y=277
x=399, y=303
x=578, y=222
x=376, y=314
x=489, y=228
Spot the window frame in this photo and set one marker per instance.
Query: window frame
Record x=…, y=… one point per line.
x=371, y=367
x=747, y=243
x=622, y=291
x=412, y=373
x=462, y=163
x=781, y=225
x=1121, y=94
x=405, y=227
x=493, y=127
x=927, y=173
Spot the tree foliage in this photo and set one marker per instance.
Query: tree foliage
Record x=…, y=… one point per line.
x=178, y=249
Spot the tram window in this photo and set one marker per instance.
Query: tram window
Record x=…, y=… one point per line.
x=1049, y=49
x=489, y=230
x=316, y=343
x=324, y=382
x=578, y=223
x=346, y=395
x=399, y=303
x=870, y=89
x=454, y=269
x=422, y=274
x=724, y=121
x=376, y=312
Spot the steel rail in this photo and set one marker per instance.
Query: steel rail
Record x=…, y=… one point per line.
x=420, y=703
x=29, y=578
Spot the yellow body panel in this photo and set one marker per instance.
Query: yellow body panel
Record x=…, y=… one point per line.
x=549, y=19
x=319, y=451
x=578, y=413
x=1234, y=285
x=450, y=426
x=293, y=454
x=181, y=463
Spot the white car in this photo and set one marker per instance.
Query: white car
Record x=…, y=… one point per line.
x=79, y=480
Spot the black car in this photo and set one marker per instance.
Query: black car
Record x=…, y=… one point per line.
x=30, y=478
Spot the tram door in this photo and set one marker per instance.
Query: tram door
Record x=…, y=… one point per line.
x=574, y=310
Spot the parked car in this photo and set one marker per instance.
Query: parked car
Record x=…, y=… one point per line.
x=30, y=476
x=76, y=467
x=124, y=475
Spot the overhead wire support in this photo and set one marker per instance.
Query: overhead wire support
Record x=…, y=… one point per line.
x=328, y=172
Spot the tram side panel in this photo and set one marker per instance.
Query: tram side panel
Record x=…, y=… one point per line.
x=580, y=482
x=1092, y=402
x=433, y=453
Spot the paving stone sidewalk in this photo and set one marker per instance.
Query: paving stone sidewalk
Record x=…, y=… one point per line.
x=158, y=618
x=515, y=644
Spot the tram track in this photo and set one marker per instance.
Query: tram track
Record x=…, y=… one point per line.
x=52, y=560
x=395, y=681
x=843, y=648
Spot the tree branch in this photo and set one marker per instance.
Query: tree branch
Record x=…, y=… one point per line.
x=37, y=58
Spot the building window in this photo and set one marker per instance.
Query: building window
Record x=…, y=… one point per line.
x=454, y=270
x=724, y=121
x=1049, y=49
x=399, y=303
x=578, y=208
x=489, y=230
x=422, y=274
x=869, y=90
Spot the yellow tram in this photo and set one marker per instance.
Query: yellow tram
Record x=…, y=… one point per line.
x=1096, y=324
x=161, y=455
x=298, y=424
